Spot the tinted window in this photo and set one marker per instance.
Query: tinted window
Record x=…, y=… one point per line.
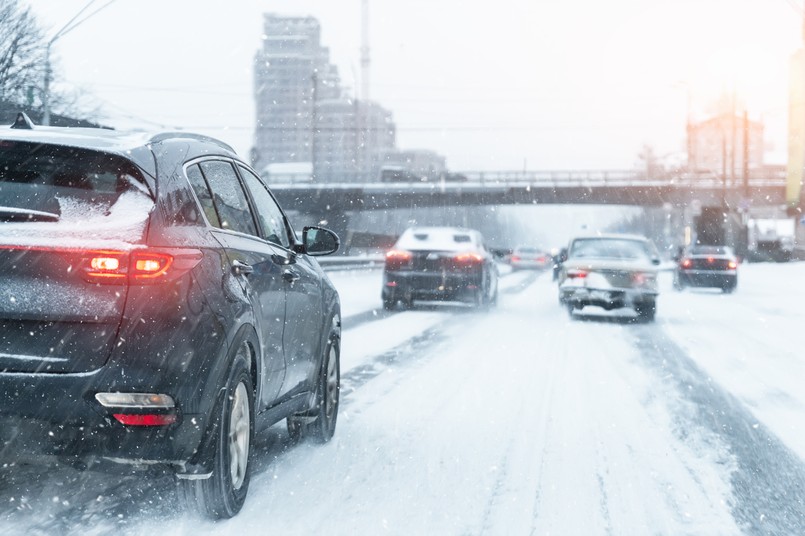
x=228, y=197
x=36, y=176
x=203, y=194
x=269, y=215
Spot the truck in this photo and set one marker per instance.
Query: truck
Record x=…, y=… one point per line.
x=771, y=238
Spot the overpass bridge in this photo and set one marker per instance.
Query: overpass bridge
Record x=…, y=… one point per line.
x=766, y=188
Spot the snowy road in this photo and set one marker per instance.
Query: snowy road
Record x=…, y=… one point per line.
x=513, y=421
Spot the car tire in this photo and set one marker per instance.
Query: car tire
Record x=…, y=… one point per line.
x=388, y=304
x=493, y=300
x=646, y=311
x=569, y=307
x=728, y=289
x=222, y=495
x=318, y=424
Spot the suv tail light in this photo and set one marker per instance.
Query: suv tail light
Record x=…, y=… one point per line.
x=687, y=263
x=138, y=267
x=732, y=265
x=396, y=259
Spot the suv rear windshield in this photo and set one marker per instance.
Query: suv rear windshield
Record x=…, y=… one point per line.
x=36, y=178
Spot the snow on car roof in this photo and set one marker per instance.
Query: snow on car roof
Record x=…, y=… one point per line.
x=441, y=238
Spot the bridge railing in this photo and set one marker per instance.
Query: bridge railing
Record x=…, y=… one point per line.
x=559, y=179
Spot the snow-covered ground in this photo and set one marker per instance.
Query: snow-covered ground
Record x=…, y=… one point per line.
x=515, y=420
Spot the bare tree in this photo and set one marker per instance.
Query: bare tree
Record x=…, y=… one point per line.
x=22, y=52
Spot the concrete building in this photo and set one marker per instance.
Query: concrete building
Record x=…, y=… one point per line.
x=351, y=139
x=716, y=146
x=303, y=114
x=291, y=72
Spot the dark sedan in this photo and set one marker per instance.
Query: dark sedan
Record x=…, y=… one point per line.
x=145, y=282
x=707, y=266
x=439, y=264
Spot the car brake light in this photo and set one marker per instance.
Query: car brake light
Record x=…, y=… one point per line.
x=104, y=264
x=732, y=265
x=468, y=258
x=515, y=258
x=640, y=279
x=397, y=258
x=576, y=274
x=687, y=263
x=150, y=265
x=398, y=255
x=140, y=266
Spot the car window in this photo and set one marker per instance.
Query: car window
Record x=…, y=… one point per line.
x=36, y=177
x=269, y=216
x=228, y=197
x=202, y=190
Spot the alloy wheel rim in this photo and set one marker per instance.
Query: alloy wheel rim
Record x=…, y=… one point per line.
x=331, y=394
x=239, y=429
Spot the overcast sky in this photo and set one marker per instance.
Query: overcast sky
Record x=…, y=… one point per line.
x=545, y=84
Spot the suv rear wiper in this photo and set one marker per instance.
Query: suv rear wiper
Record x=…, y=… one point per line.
x=13, y=214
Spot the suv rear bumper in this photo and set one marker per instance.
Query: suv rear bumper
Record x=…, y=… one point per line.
x=57, y=414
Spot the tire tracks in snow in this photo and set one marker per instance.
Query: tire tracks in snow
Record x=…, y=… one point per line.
x=768, y=487
x=413, y=350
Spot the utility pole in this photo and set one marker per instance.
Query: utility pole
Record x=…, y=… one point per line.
x=313, y=125
x=365, y=61
x=746, y=154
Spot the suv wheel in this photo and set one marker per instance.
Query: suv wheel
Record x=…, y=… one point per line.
x=222, y=495
x=319, y=423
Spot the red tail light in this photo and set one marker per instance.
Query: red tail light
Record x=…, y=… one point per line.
x=515, y=258
x=468, y=258
x=397, y=258
x=576, y=274
x=687, y=263
x=732, y=265
x=139, y=267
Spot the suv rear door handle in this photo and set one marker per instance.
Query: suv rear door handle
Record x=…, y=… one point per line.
x=241, y=268
x=290, y=275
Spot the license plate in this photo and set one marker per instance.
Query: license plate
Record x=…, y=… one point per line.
x=600, y=295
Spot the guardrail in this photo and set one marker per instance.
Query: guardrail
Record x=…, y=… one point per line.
x=344, y=262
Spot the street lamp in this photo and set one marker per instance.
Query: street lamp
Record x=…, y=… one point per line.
x=70, y=26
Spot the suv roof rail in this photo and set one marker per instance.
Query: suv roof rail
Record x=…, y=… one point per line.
x=198, y=137
x=23, y=121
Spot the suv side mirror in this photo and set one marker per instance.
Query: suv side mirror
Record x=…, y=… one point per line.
x=318, y=241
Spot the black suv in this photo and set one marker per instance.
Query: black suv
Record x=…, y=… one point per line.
x=156, y=308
